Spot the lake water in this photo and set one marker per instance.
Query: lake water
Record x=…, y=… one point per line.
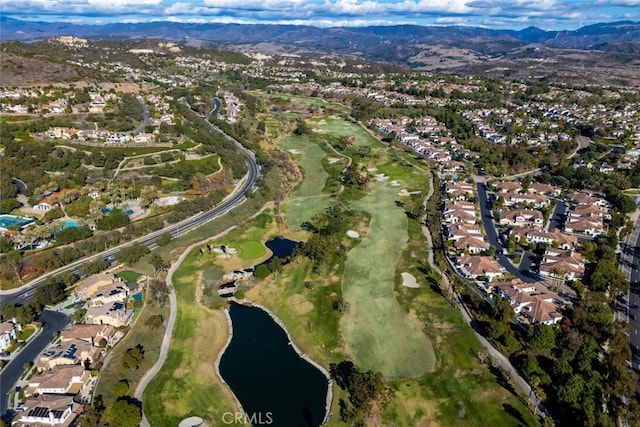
x=271, y=381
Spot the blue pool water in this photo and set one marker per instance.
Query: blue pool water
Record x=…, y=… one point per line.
x=107, y=211
x=70, y=224
x=138, y=296
x=9, y=220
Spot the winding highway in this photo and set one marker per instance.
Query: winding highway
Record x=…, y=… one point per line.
x=54, y=321
x=22, y=294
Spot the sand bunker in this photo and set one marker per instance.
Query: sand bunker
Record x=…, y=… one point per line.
x=403, y=193
x=228, y=250
x=381, y=177
x=373, y=169
x=409, y=281
x=333, y=160
x=294, y=151
x=395, y=183
x=353, y=234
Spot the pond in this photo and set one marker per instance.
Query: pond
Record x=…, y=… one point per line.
x=272, y=382
x=280, y=248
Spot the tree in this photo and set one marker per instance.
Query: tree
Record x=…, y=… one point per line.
x=301, y=127
x=14, y=263
x=53, y=214
x=125, y=412
x=164, y=239
x=132, y=253
x=159, y=264
x=121, y=388
x=115, y=219
x=133, y=356
x=543, y=339
x=365, y=389
x=158, y=291
x=154, y=321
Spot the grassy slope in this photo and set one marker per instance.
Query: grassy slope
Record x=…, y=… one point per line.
x=150, y=338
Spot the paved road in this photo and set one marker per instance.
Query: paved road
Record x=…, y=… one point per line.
x=630, y=266
x=52, y=322
x=558, y=217
x=492, y=236
x=22, y=294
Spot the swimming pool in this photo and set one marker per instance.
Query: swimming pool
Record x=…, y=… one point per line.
x=128, y=210
x=7, y=221
x=70, y=224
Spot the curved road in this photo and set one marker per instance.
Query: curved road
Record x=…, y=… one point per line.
x=22, y=294
x=52, y=322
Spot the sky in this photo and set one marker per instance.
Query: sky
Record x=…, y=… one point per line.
x=498, y=14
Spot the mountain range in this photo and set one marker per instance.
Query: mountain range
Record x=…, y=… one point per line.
x=594, y=53
x=619, y=36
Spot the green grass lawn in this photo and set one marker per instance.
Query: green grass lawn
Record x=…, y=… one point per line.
x=375, y=327
x=341, y=127
x=302, y=207
x=140, y=333
x=187, y=384
x=129, y=276
x=26, y=333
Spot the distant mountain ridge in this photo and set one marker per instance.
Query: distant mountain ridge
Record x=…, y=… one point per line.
x=342, y=39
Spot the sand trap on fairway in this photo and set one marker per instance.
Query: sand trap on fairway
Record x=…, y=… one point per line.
x=395, y=183
x=333, y=160
x=228, y=250
x=353, y=234
x=373, y=169
x=294, y=151
x=403, y=193
x=381, y=177
x=409, y=281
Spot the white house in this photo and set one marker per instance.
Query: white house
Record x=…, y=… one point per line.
x=8, y=332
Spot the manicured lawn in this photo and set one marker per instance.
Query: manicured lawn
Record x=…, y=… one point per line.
x=303, y=205
x=129, y=276
x=340, y=127
x=250, y=249
x=187, y=384
x=302, y=100
x=26, y=333
x=375, y=327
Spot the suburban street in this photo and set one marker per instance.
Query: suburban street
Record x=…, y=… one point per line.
x=492, y=236
x=52, y=322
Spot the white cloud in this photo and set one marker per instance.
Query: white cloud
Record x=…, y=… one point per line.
x=626, y=3
x=106, y=4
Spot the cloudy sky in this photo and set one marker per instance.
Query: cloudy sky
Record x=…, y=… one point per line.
x=515, y=14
